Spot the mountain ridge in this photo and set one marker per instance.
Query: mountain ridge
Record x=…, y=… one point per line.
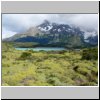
x=48, y=33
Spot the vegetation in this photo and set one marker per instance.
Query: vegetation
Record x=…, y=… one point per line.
x=52, y=68
x=24, y=44
x=25, y=55
x=89, y=54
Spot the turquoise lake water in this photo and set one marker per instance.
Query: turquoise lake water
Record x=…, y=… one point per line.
x=43, y=48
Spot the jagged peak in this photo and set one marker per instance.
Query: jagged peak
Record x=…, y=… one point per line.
x=46, y=21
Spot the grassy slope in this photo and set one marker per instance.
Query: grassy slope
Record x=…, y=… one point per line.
x=47, y=69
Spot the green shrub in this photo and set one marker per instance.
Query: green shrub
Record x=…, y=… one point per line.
x=54, y=81
x=5, y=65
x=3, y=56
x=88, y=84
x=5, y=84
x=62, y=52
x=52, y=68
x=89, y=54
x=25, y=55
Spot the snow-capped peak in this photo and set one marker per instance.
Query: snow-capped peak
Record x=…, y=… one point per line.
x=59, y=30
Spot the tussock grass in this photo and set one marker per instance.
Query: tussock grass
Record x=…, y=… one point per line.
x=28, y=68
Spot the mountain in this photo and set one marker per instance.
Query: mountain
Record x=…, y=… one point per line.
x=53, y=34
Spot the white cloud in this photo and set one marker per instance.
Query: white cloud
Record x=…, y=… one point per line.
x=89, y=34
x=85, y=21
x=7, y=33
x=16, y=23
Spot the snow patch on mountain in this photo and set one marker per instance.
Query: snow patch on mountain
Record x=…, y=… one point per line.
x=49, y=27
x=45, y=29
x=59, y=30
x=89, y=34
x=86, y=40
x=42, y=29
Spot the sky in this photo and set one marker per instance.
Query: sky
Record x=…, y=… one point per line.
x=17, y=23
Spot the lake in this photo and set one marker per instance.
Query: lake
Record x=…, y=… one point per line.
x=43, y=48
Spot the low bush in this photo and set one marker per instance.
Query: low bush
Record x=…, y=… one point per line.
x=25, y=55
x=89, y=54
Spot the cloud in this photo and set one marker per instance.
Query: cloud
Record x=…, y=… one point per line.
x=16, y=23
x=7, y=33
x=85, y=21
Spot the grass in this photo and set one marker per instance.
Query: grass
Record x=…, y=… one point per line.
x=30, y=68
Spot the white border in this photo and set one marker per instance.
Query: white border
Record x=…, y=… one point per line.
x=48, y=86
x=50, y=0
x=98, y=49
x=0, y=50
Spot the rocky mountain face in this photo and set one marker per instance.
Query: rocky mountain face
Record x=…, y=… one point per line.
x=53, y=34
